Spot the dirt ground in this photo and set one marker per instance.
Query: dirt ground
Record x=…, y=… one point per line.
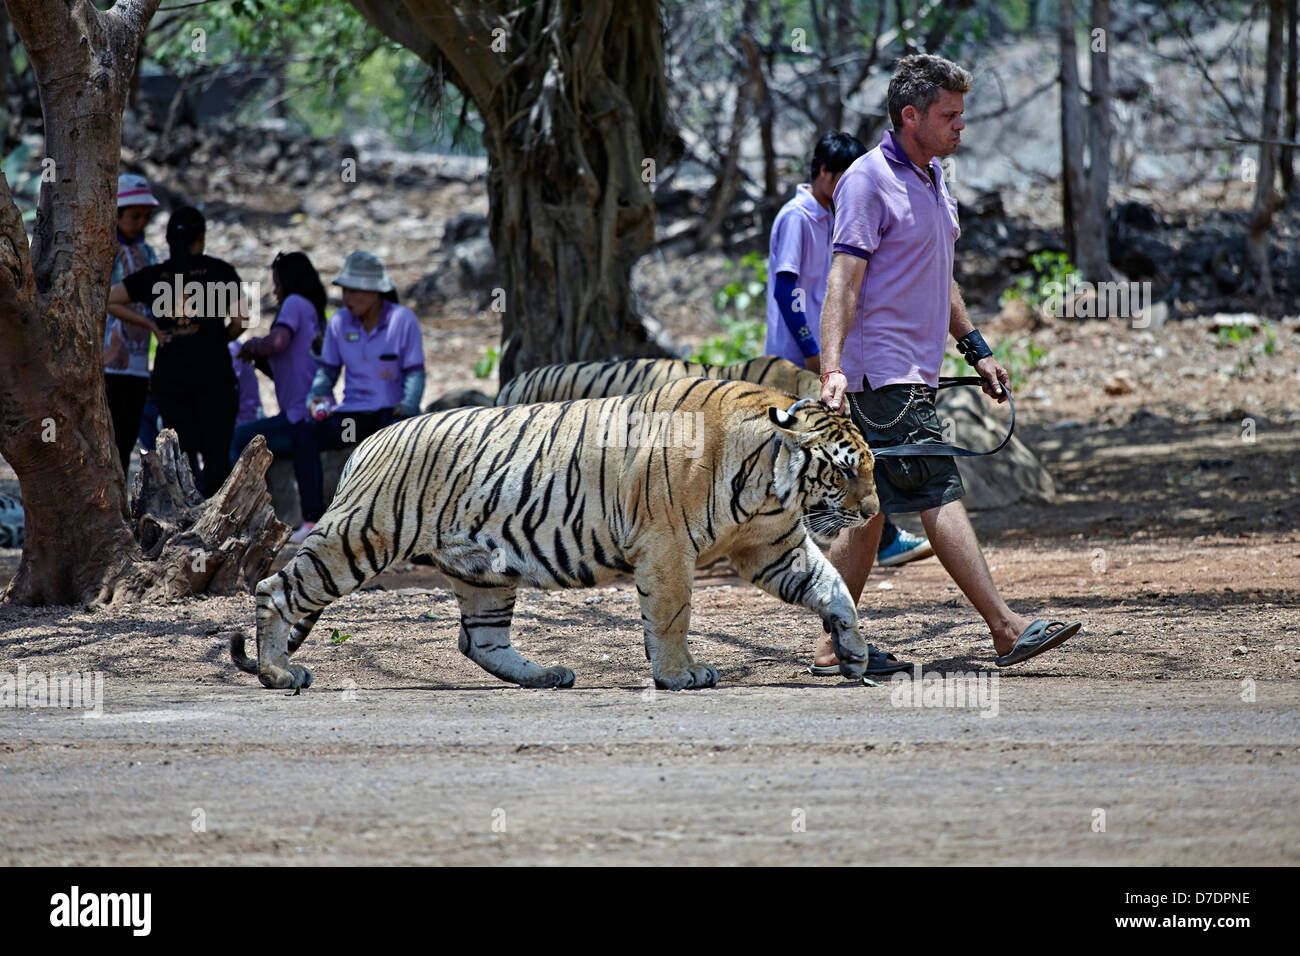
x=1175, y=537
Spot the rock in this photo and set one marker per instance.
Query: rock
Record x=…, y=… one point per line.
x=1152, y=317
x=1119, y=384
x=459, y=399
x=1240, y=651
x=1016, y=315
x=267, y=156
x=1144, y=416
x=465, y=225
x=385, y=210
x=1228, y=320
x=427, y=290
x=12, y=522
x=992, y=481
x=318, y=205
x=477, y=262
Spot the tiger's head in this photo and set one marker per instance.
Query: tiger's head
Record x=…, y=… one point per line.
x=827, y=471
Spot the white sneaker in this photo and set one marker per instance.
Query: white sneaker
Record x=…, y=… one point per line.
x=304, y=529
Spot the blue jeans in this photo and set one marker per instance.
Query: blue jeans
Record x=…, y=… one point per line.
x=285, y=438
x=333, y=432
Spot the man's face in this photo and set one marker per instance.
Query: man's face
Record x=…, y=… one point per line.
x=938, y=132
x=824, y=185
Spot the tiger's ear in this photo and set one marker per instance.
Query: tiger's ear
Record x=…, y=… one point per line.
x=795, y=426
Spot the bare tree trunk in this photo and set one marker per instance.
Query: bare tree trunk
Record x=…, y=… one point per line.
x=748, y=95
x=6, y=123
x=1267, y=198
x=1288, y=153
x=1071, y=127
x=1084, y=208
x=766, y=114
x=574, y=108
x=54, y=423
x=1098, y=198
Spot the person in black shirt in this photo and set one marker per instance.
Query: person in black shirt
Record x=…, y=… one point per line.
x=197, y=300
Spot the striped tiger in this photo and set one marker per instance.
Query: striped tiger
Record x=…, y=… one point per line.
x=571, y=494
x=558, y=383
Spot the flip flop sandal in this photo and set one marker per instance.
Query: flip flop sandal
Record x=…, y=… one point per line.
x=1038, y=637
x=878, y=663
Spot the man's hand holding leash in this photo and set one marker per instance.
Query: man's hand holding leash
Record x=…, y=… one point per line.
x=833, y=385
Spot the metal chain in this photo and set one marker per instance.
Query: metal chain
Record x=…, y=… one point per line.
x=911, y=403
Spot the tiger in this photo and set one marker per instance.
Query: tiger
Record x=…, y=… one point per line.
x=570, y=495
x=556, y=383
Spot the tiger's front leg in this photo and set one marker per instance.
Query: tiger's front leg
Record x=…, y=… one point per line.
x=796, y=571
x=665, y=592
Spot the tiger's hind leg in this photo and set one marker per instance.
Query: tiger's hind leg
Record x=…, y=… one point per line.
x=277, y=617
x=796, y=571
x=302, y=629
x=485, y=614
x=290, y=602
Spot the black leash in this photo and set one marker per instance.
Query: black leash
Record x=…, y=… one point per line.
x=907, y=451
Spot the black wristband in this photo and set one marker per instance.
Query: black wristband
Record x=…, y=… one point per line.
x=973, y=347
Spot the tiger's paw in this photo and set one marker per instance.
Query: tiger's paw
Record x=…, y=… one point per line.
x=295, y=677
x=551, y=677
x=695, y=677
x=852, y=651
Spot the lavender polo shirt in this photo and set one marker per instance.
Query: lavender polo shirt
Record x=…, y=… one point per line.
x=801, y=243
x=891, y=213
x=294, y=368
x=375, y=362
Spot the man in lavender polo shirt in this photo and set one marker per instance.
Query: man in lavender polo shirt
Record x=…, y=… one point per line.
x=891, y=303
x=799, y=254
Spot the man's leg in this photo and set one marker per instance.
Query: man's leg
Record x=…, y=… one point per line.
x=852, y=554
x=954, y=542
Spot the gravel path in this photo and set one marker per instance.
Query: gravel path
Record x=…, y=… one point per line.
x=1186, y=773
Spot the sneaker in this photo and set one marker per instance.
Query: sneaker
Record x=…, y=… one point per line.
x=906, y=547
x=304, y=529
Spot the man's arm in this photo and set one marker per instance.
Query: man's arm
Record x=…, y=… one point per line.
x=842, y=287
x=960, y=325
x=787, y=294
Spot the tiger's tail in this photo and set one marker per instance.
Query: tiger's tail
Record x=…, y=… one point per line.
x=296, y=638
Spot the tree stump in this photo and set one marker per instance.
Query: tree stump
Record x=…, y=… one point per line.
x=190, y=546
x=993, y=481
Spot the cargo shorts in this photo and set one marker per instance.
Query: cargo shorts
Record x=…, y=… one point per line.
x=900, y=415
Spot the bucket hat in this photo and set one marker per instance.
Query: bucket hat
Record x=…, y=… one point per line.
x=364, y=270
